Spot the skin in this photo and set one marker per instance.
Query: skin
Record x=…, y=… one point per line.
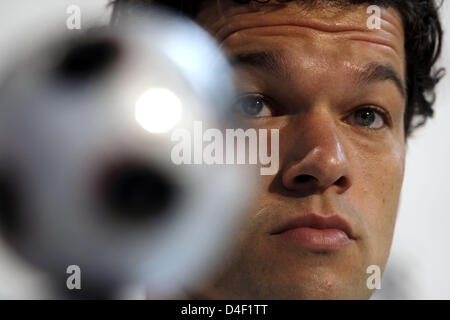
x=345, y=168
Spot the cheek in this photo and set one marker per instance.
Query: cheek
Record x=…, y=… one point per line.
x=377, y=187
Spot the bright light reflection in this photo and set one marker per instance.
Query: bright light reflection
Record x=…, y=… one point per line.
x=158, y=110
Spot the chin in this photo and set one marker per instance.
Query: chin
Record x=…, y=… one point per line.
x=303, y=284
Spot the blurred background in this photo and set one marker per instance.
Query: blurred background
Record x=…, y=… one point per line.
x=420, y=258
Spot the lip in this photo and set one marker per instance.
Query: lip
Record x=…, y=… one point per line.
x=316, y=232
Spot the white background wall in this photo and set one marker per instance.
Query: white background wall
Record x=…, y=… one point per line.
x=420, y=257
x=419, y=266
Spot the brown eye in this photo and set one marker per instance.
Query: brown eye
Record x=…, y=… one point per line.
x=253, y=106
x=368, y=117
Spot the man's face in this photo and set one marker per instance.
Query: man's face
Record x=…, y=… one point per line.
x=335, y=91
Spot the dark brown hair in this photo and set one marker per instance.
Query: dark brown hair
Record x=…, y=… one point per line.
x=423, y=42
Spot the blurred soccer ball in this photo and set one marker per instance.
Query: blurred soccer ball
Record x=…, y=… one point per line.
x=85, y=171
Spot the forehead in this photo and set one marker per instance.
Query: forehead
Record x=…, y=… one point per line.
x=326, y=34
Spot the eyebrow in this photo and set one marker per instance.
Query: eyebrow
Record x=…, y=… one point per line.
x=274, y=62
x=374, y=72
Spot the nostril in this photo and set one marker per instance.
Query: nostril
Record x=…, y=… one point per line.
x=341, y=182
x=304, y=178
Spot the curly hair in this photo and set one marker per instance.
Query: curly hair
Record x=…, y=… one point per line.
x=423, y=43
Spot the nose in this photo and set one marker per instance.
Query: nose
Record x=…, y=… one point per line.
x=319, y=159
